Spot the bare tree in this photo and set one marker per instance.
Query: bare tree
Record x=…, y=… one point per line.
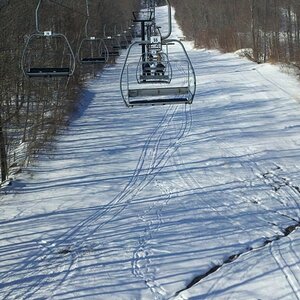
x=32, y=111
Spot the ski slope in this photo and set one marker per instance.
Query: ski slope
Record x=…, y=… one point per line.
x=165, y=202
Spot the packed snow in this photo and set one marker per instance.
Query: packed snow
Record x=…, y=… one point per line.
x=166, y=202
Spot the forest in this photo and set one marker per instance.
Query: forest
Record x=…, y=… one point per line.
x=32, y=111
x=268, y=30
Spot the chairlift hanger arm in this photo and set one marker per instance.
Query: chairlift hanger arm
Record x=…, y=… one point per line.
x=87, y=17
x=169, y=21
x=37, y=16
x=124, y=67
x=170, y=41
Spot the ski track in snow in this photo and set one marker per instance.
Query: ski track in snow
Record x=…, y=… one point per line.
x=287, y=266
x=280, y=185
x=141, y=265
x=133, y=187
x=142, y=176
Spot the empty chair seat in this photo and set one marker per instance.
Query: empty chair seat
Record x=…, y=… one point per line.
x=36, y=72
x=93, y=60
x=152, y=102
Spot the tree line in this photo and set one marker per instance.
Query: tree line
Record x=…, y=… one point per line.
x=32, y=111
x=269, y=29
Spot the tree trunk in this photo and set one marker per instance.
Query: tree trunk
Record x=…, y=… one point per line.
x=3, y=156
x=254, y=31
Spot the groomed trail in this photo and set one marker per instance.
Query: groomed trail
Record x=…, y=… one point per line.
x=167, y=202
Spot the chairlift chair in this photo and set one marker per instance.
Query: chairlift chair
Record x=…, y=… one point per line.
x=120, y=37
x=113, y=46
x=180, y=87
x=122, y=41
x=156, y=68
x=128, y=31
x=48, y=54
x=128, y=35
x=92, y=50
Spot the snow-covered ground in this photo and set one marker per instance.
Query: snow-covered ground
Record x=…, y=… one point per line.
x=165, y=202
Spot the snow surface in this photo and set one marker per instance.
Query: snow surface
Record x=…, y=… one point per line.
x=165, y=202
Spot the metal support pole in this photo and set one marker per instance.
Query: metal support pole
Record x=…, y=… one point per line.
x=143, y=33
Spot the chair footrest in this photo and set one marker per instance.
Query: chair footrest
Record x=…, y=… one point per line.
x=154, y=77
x=158, y=92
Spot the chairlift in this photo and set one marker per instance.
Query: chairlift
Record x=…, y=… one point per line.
x=121, y=37
x=156, y=68
x=178, y=87
x=122, y=41
x=128, y=30
x=128, y=34
x=47, y=54
x=92, y=50
x=143, y=81
x=112, y=44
